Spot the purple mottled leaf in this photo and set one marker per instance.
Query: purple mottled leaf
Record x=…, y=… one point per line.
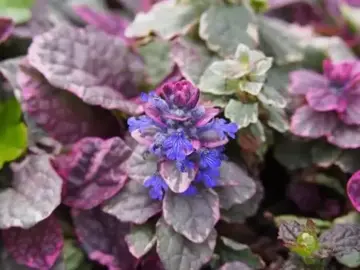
x=138, y=5
x=110, y=23
x=140, y=239
x=302, y=81
x=238, y=213
x=349, y=160
x=37, y=247
x=294, y=263
x=176, y=180
x=6, y=28
x=193, y=216
x=352, y=113
x=102, y=236
x=92, y=171
x=132, y=204
x=289, y=231
x=140, y=165
x=342, y=239
x=345, y=136
x=178, y=253
x=322, y=99
x=353, y=190
x=7, y=262
x=231, y=174
x=191, y=57
x=9, y=69
x=35, y=193
x=39, y=23
x=308, y=123
x=62, y=115
x=305, y=195
x=107, y=79
x=235, y=266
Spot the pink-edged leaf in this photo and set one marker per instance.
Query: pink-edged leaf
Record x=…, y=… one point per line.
x=6, y=28
x=309, y=123
x=140, y=239
x=37, y=247
x=178, y=253
x=39, y=23
x=232, y=175
x=92, y=171
x=110, y=23
x=211, y=139
x=62, y=115
x=108, y=78
x=176, y=180
x=140, y=165
x=138, y=5
x=210, y=113
x=322, y=99
x=235, y=266
x=352, y=113
x=152, y=261
x=35, y=193
x=132, y=204
x=193, y=216
x=102, y=237
x=301, y=81
x=345, y=136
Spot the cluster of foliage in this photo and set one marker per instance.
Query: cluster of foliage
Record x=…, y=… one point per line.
x=134, y=132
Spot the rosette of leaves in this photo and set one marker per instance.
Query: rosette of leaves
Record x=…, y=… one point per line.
x=315, y=251
x=179, y=185
x=250, y=102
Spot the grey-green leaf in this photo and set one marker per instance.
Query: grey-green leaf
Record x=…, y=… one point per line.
x=243, y=114
x=224, y=27
x=277, y=119
x=229, y=69
x=178, y=253
x=192, y=216
x=271, y=96
x=324, y=154
x=140, y=239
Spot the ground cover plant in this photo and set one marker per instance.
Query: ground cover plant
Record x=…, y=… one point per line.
x=179, y=134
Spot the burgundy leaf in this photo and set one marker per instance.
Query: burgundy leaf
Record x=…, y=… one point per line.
x=110, y=23
x=192, y=216
x=289, y=231
x=37, y=247
x=345, y=136
x=308, y=123
x=133, y=204
x=102, y=236
x=6, y=28
x=151, y=262
x=353, y=190
x=302, y=80
x=35, y=193
x=92, y=171
x=108, y=78
x=62, y=115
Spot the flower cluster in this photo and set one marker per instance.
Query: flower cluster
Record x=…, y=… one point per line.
x=332, y=102
x=183, y=135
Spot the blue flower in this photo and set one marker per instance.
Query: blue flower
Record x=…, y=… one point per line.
x=177, y=146
x=157, y=186
x=211, y=158
x=223, y=128
x=208, y=177
x=191, y=191
x=140, y=123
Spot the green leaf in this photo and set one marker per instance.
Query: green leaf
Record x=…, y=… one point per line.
x=352, y=217
x=73, y=256
x=243, y=114
x=18, y=10
x=224, y=27
x=13, y=133
x=338, y=50
x=351, y=259
x=157, y=60
x=215, y=84
x=330, y=182
x=167, y=19
x=231, y=251
x=324, y=154
x=140, y=239
x=270, y=96
x=351, y=14
x=349, y=160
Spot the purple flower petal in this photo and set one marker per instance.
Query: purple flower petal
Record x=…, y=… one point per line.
x=309, y=123
x=345, y=136
x=301, y=81
x=112, y=24
x=6, y=28
x=64, y=116
x=37, y=247
x=353, y=190
x=102, y=236
x=352, y=113
x=92, y=171
x=322, y=99
x=108, y=78
x=210, y=113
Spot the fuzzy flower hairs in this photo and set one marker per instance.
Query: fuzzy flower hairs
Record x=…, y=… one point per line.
x=184, y=136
